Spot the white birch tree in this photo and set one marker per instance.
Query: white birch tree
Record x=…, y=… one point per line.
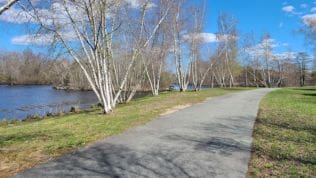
x=86, y=29
x=182, y=71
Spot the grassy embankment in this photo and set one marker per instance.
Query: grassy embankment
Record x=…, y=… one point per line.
x=285, y=135
x=25, y=144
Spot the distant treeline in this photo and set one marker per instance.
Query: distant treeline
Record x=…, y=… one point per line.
x=28, y=68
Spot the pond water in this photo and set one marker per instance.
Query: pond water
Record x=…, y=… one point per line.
x=19, y=102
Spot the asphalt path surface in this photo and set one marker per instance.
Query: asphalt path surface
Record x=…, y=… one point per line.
x=210, y=139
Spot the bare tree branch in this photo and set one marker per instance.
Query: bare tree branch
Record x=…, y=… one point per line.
x=7, y=5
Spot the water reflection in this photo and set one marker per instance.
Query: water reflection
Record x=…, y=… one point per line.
x=18, y=102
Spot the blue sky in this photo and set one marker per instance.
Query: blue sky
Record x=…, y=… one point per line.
x=260, y=16
x=280, y=18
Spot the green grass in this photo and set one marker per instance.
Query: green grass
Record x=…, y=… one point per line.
x=25, y=144
x=285, y=135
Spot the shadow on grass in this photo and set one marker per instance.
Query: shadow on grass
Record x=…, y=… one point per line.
x=295, y=126
x=287, y=140
x=21, y=137
x=310, y=94
x=305, y=89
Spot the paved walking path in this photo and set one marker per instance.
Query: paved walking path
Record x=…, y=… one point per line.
x=211, y=139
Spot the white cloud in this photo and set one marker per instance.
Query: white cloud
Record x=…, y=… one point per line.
x=57, y=12
x=205, y=37
x=285, y=56
x=32, y=40
x=41, y=39
x=288, y=9
x=310, y=20
x=18, y=16
x=34, y=2
x=139, y=3
x=269, y=42
x=208, y=37
x=259, y=49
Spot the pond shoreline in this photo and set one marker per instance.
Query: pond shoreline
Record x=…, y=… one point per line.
x=66, y=88
x=30, y=119
x=29, y=102
x=19, y=102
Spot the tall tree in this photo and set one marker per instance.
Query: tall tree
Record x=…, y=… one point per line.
x=302, y=60
x=87, y=29
x=155, y=56
x=228, y=49
x=182, y=71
